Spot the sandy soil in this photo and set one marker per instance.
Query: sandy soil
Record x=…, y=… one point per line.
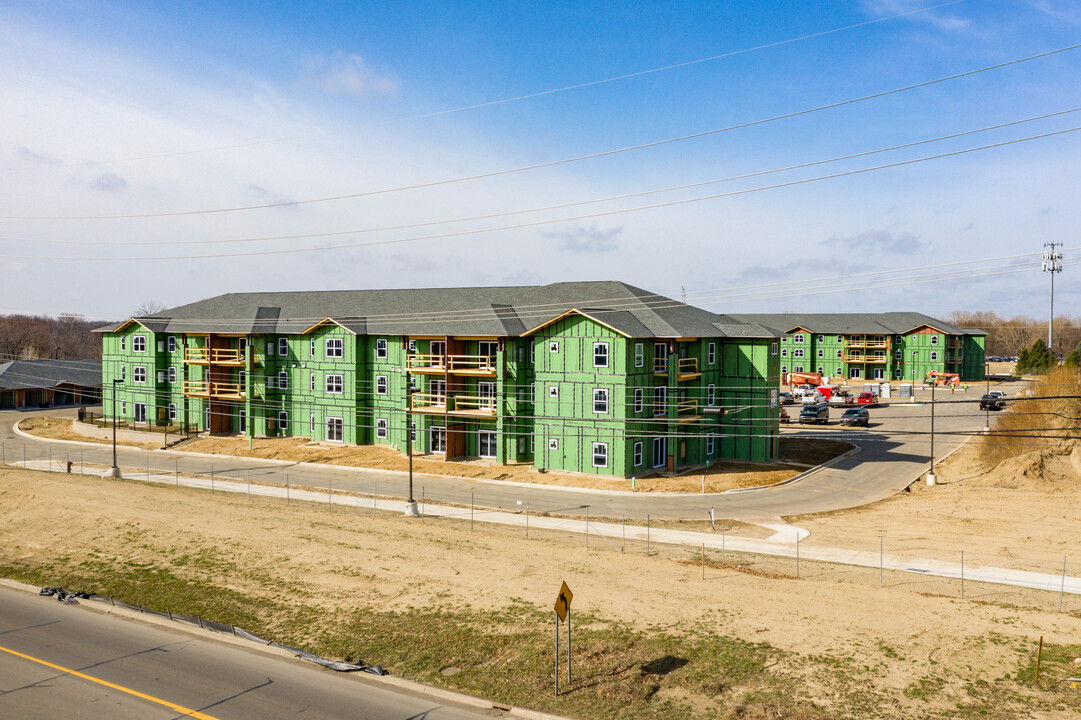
x=61, y=429
x=888, y=638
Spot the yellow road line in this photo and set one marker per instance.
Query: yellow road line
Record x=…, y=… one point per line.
x=187, y=712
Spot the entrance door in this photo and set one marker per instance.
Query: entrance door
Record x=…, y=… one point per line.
x=438, y=349
x=438, y=390
x=486, y=391
x=660, y=451
x=486, y=443
x=140, y=412
x=242, y=416
x=437, y=436
x=335, y=429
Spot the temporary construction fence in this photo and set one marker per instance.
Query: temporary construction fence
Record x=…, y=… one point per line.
x=981, y=568
x=70, y=597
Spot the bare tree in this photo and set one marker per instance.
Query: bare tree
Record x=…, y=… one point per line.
x=148, y=307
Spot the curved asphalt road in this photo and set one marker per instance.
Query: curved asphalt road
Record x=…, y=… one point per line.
x=894, y=452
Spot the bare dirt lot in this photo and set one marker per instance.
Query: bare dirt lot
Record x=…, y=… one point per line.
x=659, y=635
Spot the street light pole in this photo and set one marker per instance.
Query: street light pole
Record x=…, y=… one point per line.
x=987, y=411
x=114, y=471
x=411, y=509
x=931, y=479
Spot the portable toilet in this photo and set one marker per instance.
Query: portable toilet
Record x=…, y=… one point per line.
x=906, y=391
x=885, y=390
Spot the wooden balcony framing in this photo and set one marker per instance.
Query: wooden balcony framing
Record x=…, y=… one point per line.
x=854, y=343
x=688, y=369
x=687, y=411
x=660, y=366
x=874, y=359
x=233, y=357
x=474, y=406
x=216, y=390
x=473, y=365
x=429, y=403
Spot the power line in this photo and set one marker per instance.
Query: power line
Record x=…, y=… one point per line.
x=564, y=161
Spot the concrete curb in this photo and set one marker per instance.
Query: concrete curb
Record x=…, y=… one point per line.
x=442, y=694
x=855, y=449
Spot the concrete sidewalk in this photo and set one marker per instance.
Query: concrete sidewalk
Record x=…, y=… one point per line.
x=777, y=545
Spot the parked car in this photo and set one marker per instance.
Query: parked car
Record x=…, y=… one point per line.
x=842, y=397
x=991, y=402
x=788, y=398
x=815, y=415
x=867, y=398
x=804, y=390
x=856, y=416
x=815, y=399
x=784, y=417
x=997, y=393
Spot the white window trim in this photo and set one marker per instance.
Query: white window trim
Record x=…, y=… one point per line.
x=773, y=348
x=934, y=355
x=123, y=408
x=784, y=352
x=604, y=448
x=283, y=347
x=283, y=420
x=326, y=428
x=329, y=385
x=283, y=380
x=934, y=339
x=311, y=382
x=381, y=430
x=311, y=348
x=123, y=343
x=711, y=443
x=711, y=354
x=334, y=348
x=603, y=393
x=136, y=371
x=821, y=352
x=711, y=395
x=600, y=346
x=172, y=343
x=494, y=449
x=639, y=355
x=381, y=380
x=382, y=348
x=638, y=457
x=172, y=411
x=821, y=338
x=639, y=399
x=135, y=345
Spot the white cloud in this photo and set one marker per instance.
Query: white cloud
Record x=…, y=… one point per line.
x=941, y=19
x=591, y=239
x=877, y=241
x=349, y=75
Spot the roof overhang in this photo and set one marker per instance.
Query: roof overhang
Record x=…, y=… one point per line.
x=326, y=321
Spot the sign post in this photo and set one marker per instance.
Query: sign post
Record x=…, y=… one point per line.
x=563, y=612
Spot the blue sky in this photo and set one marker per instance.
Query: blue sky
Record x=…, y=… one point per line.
x=123, y=108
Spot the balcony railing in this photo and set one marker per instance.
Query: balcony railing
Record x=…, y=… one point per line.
x=684, y=407
x=868, y=343
x=205, y=356
x=201, y=388
x=462, y=364
x=688, y=366
x=424, y=361
x=660, y=365
x=474, y=404
x=429, y=400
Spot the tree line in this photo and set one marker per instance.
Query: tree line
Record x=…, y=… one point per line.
x=39, y=337
x=1009, y=336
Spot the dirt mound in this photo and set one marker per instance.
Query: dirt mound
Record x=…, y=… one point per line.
x=1046, y=470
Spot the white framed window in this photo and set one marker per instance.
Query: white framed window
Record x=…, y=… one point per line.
x=172, y=375
x=880, y=339
x=711, y=353
x=311, y=424
x=797, y=338
x=242, y=420
x=283, y=346
x=532, y=352
x=553, y=391
x=553, y=443
x=855, y=373
x=311, y=348
x=336, y=386
x=773, y=348
x=798, y=368
x=381, y=348
x=898, y=373
x=797, y=352
x=660, y=400
x=711, y=394
x=821, y=352
x=283, y=380
x=413, y=431
x=660, y=357
x=600, y=400
x=600, y=455
x=711, y=442
x=880, y=373
x=486, y=445
x=821, y=370
x=934, y=355
x=123, y=408
x=638, y=454
x=380, y=384
x=138, y=374
x=840, y=338
x=487, y=348
x=380, y=428
x=840, y=353
x=784, y=369
x=311, y=382
x=839, y=372
x=897, y=338
x=600, y=354
x=412, y=345
x=553, y=346
x=123, y=343
x=172, y=411
x=639, y=355
x=821, y=338
x=897, y=355
x=934, y=339
x=335, y=429
x=283, y=420
x=639, y=399
x=172, y=343
x=784, y=352
x=138, y=343
x=532, y=443
x=140, y=412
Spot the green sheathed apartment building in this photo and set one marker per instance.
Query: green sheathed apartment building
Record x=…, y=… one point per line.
x=894, y=346
x=593, y=377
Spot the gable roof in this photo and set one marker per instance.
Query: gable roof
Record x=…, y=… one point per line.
x=30, y=374
x=478, y=311
x=888, y=323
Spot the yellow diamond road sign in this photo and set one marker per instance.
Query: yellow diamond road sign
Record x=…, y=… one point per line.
x=563, y=602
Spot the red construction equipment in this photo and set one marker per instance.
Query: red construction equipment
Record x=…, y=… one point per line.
x=943, y=378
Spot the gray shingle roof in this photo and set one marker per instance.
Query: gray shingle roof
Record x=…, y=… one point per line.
x=482, y=311
x=889, y=323
x=29, y=374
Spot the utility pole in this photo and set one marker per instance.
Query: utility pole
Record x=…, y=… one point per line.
x=410, y=504
x=1052, y=264
x=114, y=471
